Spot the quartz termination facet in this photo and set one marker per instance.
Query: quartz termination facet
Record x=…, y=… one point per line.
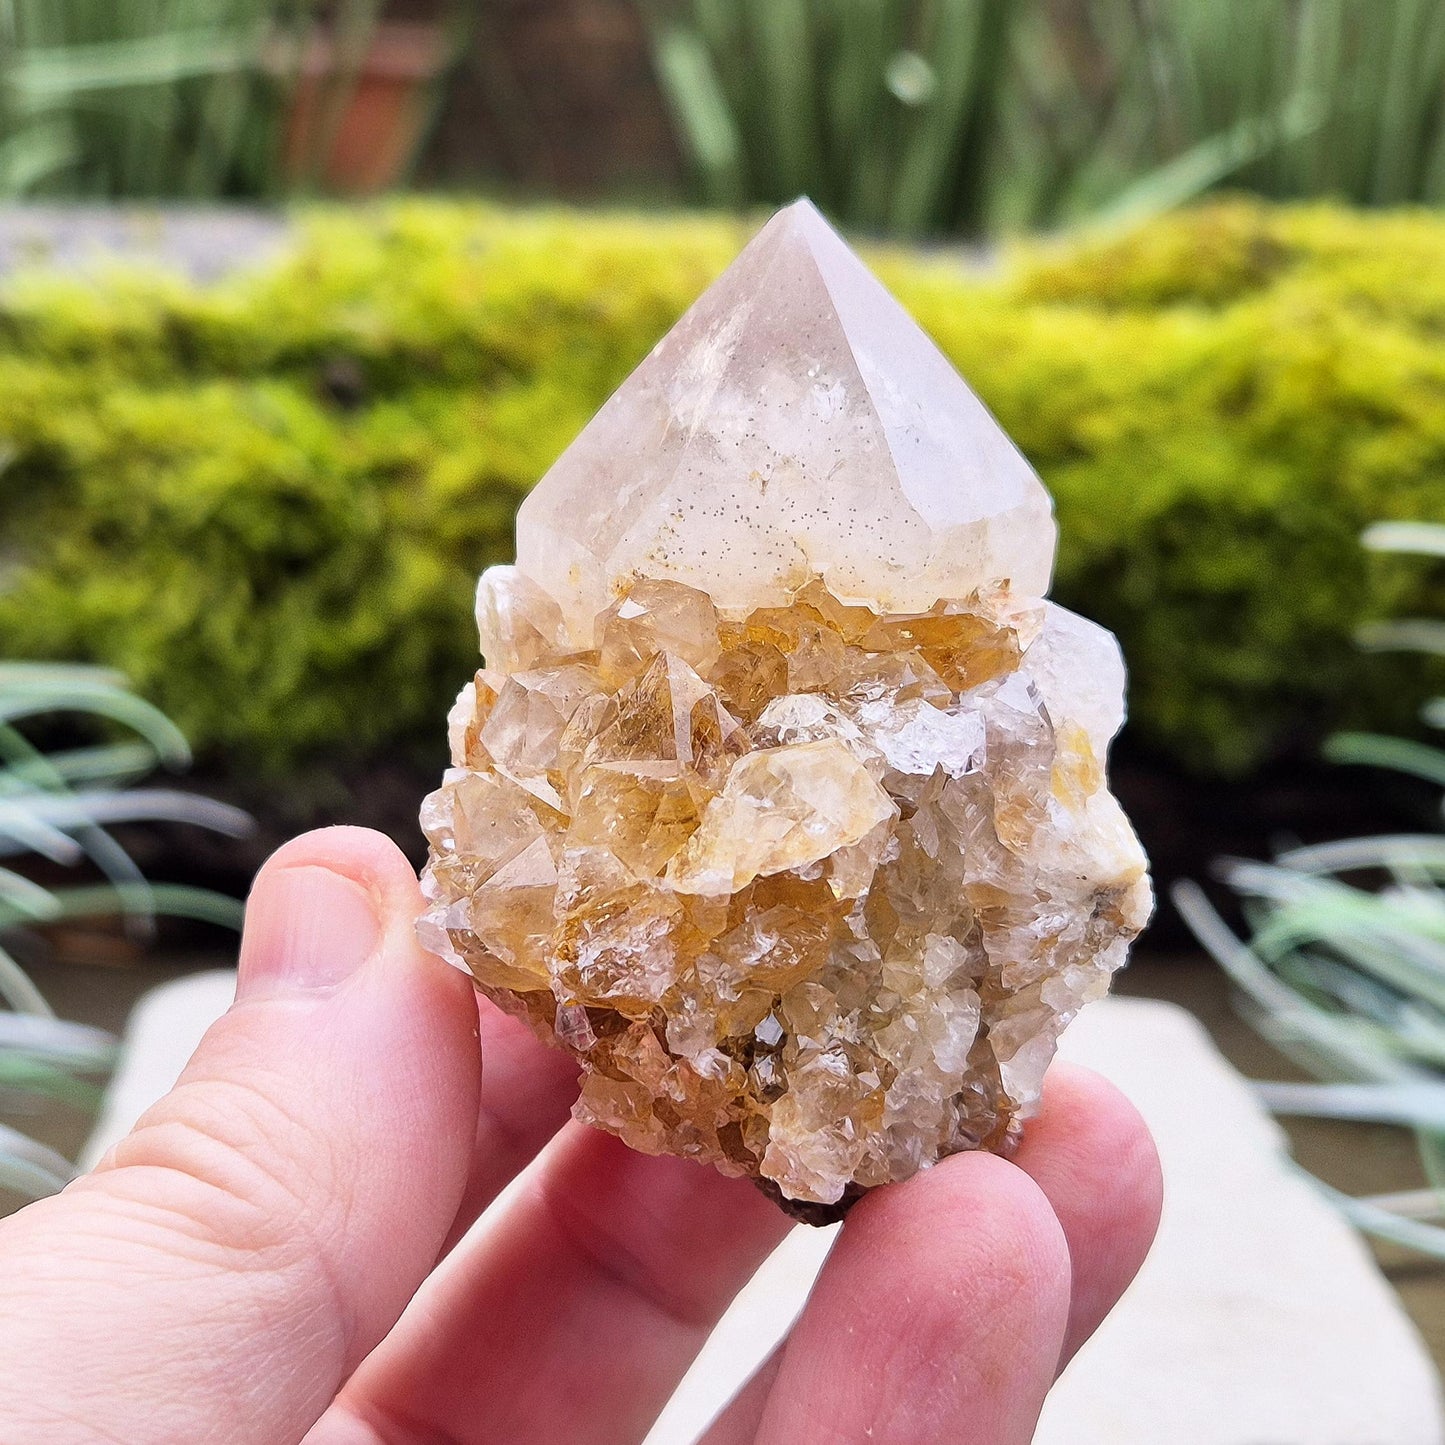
x=780, y=801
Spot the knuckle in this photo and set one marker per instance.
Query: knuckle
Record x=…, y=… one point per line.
x=232, y=1179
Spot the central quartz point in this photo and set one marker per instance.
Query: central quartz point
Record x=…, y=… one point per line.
x=780, y=800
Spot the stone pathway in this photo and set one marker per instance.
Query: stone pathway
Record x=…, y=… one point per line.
x=1259, y=1317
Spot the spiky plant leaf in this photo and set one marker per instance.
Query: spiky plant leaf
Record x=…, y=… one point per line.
x=59, y=805
x=1345, y=967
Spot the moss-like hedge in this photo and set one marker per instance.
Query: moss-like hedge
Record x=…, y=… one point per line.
x=266, y=500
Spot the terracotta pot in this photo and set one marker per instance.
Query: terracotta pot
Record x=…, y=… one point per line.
x=361, y=142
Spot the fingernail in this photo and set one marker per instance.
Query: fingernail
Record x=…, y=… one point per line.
x=307, y=928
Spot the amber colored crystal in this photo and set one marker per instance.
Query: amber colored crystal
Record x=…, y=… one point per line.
x=781, y=801
x=826, y=947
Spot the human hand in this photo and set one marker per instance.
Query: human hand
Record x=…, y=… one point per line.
x=258, y=1261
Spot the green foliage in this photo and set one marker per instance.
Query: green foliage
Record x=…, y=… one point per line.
x=1344, y=970
x=881, y=111
x=58, y=806
x=266, y=501
x=169, y=98
x=980, y=116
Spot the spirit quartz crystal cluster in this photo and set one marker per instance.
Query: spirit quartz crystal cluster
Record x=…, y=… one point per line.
x=780, y=799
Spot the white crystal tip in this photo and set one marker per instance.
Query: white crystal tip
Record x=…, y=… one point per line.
x=795, y=423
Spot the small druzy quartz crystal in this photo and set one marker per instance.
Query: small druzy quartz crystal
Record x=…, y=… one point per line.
x=780, y=800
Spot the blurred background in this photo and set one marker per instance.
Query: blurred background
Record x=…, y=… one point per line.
x=297, y=300
x=947, y=118
x=906, y=117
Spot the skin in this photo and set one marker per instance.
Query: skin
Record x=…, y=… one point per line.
x=281, y=1250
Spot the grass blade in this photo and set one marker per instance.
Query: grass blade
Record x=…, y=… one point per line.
x=1421, y=539
x=1401, y=755
x=169, y=900
x=18, y=991
x=701, y=113
x=30, y=1169
x=1408, y=634
x=70, y=812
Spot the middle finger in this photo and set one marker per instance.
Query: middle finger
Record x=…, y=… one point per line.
x=574, y=1315
x=527, y=1094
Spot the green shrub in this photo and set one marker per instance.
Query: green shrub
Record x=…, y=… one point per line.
x=266, y=500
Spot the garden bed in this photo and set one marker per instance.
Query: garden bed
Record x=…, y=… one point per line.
x=264, y=494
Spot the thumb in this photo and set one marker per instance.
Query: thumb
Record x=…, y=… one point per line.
x=228, y=1263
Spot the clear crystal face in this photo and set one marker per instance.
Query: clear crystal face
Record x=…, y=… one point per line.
x=795, y=423
x=780, y=802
